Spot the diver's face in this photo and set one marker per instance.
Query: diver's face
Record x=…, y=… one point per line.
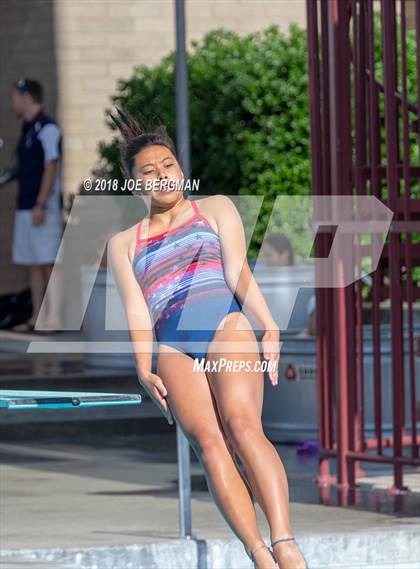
x=159, y=171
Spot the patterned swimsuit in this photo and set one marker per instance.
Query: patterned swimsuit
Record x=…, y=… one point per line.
x=180, y=272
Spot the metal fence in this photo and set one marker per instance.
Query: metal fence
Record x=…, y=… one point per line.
x=364, y=112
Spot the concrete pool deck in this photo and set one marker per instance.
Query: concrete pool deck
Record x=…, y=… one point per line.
x=103, y=493
x=94, y=501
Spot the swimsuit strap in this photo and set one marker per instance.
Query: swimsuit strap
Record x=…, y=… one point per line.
x=195, y=207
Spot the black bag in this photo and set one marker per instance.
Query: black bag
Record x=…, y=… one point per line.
x=15, y=308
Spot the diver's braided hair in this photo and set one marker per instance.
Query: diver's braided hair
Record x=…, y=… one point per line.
x=135, y=137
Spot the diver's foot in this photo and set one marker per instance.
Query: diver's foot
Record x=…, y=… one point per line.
x=262, y=557
x=287, y=553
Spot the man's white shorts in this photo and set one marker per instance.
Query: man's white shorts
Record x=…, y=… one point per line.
x=37, y=244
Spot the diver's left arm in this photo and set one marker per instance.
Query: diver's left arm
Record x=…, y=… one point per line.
x=239, y=275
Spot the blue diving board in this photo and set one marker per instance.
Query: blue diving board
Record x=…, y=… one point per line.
x=18, y=399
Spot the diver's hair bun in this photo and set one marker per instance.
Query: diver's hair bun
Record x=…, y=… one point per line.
x=136, y=136
x=128, y=127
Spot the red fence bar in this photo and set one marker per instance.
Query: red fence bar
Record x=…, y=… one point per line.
x=362, y=136
x=358, y=55
x=375, y=184
x=390, y=79
x=325, y=318
x=408, y=243
x=418, y=68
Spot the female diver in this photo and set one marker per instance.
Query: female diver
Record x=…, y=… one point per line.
x=181, y=266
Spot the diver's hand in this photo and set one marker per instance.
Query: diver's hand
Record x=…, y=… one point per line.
x=271, y=350
x=157, y=391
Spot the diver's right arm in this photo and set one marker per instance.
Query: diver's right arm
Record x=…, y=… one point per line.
x=136, y=309
x=138, y=318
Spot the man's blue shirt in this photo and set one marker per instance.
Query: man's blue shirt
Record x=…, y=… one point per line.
x=39, y=142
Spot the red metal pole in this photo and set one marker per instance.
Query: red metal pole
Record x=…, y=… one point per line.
x=391, y=131
x=375, y=186
x=341, y=176
x=408, y=242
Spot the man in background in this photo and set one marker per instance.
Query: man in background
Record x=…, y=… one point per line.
x=38, y=218
x=277, y=251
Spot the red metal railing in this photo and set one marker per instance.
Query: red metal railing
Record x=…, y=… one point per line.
x=364, y=132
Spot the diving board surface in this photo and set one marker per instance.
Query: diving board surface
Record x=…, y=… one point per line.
x=19, y=399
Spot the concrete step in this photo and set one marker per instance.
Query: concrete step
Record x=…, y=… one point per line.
x=393, y=548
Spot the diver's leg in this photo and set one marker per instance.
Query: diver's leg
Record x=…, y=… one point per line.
x=239, y=399
x=193, y=407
